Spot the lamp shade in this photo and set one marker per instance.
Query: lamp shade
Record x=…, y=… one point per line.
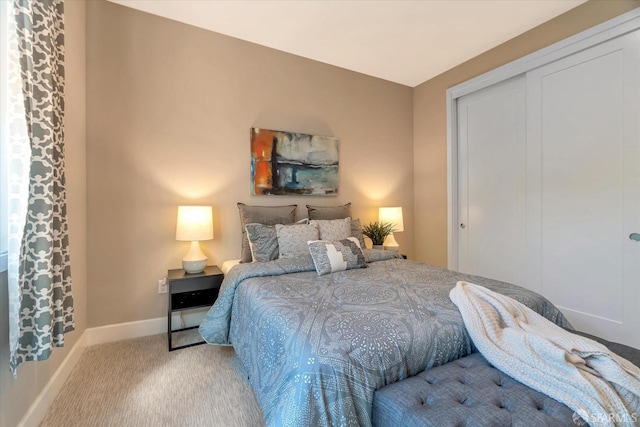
x=392, y=216
x=194, y=223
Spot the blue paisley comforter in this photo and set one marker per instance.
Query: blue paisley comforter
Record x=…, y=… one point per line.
x=316, y=348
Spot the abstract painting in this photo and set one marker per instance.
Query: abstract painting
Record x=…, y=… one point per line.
x=288, y=163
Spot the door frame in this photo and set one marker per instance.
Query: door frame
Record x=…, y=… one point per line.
x=618, y=26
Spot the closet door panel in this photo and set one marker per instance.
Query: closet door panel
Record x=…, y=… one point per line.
x=582, y=187
x=492, y=182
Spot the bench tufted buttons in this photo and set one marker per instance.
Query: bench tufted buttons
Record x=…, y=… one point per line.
x=442, y=391
x=503, y=405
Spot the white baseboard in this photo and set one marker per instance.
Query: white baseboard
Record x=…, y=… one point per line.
x=38, y=409
x=142, y=328
x=124, y=331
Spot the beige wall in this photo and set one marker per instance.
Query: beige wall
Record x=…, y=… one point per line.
x=17, y=395
x=169, y=112
x=429, y=117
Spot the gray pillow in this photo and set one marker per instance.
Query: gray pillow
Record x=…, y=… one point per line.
x=329, y=212
x=267, y=215
x=333, y=229
x=293, y=238
x=340, y=255
x=356, y=231
x=263, y=241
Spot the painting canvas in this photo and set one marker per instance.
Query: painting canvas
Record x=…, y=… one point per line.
x=288, y=163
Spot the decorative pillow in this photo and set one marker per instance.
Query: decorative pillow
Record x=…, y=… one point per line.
x=333, y=229
x=267, y=215
x=340, y=255
x=293, y=238
x=329, y=212
x=263, y=241
x=356, y=231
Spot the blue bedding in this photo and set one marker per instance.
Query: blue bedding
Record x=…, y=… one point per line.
x=316, y=348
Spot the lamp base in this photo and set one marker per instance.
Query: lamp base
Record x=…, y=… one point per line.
x=194, y=261
x=390, y=243
x=194, y=266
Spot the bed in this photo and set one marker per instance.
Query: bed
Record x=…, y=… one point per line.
x=315, y=348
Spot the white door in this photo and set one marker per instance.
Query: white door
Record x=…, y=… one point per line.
x=491, y=181
x=583, y=187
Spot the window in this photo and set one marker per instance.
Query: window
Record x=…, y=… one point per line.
x=15, y=149
x=4, y=226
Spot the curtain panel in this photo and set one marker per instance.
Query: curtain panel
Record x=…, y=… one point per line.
x=44, y=277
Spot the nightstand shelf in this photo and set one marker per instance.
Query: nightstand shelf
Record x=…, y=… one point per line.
x=191, y=291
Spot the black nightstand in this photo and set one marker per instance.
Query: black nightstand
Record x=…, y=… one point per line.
x=188, y=291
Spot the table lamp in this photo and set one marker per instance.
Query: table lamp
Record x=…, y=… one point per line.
x=392, y=216
x=195, y=223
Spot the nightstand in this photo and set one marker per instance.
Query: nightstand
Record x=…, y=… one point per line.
x=189, y=291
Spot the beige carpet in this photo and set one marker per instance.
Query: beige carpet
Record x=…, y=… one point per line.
x=139, y=383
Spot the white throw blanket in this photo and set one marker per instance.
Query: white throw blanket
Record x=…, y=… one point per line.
x=599, y=385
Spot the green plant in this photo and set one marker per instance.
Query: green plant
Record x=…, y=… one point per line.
x=377, y=231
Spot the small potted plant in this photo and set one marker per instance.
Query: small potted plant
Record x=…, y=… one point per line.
x=377, y=232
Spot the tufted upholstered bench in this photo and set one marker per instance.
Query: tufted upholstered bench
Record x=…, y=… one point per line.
x=469, y=392
x=466, y=392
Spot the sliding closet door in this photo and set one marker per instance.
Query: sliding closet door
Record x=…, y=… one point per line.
x=491, y=179
x=583, y=187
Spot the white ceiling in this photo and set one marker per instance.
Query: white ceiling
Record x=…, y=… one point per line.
x=406, y=42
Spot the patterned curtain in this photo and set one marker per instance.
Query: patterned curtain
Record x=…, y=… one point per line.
x=44, y=276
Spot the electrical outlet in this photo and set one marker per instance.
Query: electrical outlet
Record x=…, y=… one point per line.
x=162, y=286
